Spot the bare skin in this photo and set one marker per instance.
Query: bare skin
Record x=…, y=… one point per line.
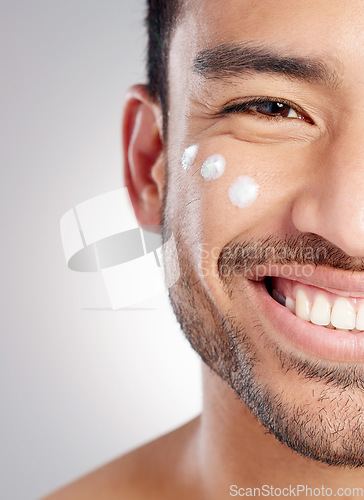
x=311, y=178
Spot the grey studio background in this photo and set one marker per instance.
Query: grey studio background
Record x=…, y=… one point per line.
x=80, y=384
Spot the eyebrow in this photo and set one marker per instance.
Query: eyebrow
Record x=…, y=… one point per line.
x=227, y=61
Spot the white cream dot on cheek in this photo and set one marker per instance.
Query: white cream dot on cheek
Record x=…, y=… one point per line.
x=189, y=156
x=213, y=168
x=243, y=192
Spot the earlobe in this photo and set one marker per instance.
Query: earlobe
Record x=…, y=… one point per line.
x=143, y=155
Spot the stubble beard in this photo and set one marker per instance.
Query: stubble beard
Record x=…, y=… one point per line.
x=330, y=429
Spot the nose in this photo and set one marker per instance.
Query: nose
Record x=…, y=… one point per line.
x=331, y=204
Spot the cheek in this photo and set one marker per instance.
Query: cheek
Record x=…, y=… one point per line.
x=189, y=156
x=235, y=189
x=243, y=192
x=213, y=167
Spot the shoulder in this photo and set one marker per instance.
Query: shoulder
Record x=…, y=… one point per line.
x=163, y=468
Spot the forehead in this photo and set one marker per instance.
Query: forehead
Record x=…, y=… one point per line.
x=310, y=28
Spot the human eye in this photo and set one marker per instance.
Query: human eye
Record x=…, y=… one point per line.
x=267, y=108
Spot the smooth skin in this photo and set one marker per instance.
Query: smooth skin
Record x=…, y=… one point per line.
x=311, y=178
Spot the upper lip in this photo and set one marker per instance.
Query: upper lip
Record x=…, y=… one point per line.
x=341, y=282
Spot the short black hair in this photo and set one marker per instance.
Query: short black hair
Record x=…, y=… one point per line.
x=160, y=21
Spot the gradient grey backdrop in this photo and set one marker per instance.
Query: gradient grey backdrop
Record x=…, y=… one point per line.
x=79, y=384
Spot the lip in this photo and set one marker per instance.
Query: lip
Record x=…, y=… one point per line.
x=321, y=342
x=337, y=281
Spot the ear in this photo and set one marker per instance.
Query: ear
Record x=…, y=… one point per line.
x=143, y=155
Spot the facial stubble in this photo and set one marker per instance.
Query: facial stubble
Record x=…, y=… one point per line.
x=330, y=428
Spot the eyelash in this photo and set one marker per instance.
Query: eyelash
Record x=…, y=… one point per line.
x=241, y=107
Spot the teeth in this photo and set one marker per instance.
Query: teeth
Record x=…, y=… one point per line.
x=321, y=311
x=343, y=314
x=303, y=306
x=360, y=318
x=290, y=304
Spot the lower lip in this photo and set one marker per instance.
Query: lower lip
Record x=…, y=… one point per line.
x=335, y=345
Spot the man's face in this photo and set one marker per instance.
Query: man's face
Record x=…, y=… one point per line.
x=303, y=381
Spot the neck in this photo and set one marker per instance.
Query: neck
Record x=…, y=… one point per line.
x=235, y=449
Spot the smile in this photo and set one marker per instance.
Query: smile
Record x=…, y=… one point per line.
x=322, y=315
x=318, y=306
